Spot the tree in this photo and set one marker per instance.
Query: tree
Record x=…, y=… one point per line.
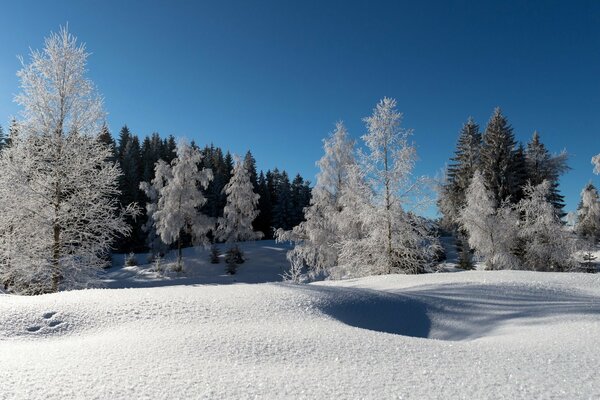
x=546, y=246
x=588, y=214
x=58, y=208
x=317, y=239
x=491, y=229
x=497, y=155
x=461, y=170
x=596, y=162
x=542, y=166
x=179, y=199
x=240, y=209
x=263, y=222
x=282, y=208
x=3, y=139
x=396, y=241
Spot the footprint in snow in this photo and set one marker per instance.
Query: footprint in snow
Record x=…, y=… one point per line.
x=48, y=315
x=50, y=323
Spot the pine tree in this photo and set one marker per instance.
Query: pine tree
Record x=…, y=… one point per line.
x=58, y=213
x=106, y=138
x=542, y=166
x=491, y=229
x=176, y=210
x=460, y=171
x=282, y=209
x=588, y=214
x=263, y=222
x=250, y=164
x=497, y=155
x=241, y=208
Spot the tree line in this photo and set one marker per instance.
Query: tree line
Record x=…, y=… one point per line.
x=280, y=204
x=502, y=202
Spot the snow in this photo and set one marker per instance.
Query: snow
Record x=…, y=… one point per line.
x=477, y=334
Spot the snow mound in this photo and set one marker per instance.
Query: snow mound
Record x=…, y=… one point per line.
x=509, y=334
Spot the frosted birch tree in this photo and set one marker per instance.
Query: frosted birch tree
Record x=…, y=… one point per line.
x=588, y=214
x=546, y=245
x=492, y=230
x=58, y=209
x=396, y=241
x=317, y=239
x=241, y=207
x=596, y=162
x=179, y=199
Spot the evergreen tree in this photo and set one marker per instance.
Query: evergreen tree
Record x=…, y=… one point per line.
x=282, y=209
x=124, y=137
x=263, y=222
x=241, y=208
x=300, y=199
x=106, y=138
x=542, y=166
x=462, y=167
x=250, y=163
x=497, y=156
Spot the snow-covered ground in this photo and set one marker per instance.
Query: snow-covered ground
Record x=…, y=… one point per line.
x=472, y=335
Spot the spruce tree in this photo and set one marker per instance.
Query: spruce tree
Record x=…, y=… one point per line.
x=458, y=178
x=263, y=222
x=542, y=166
x=497, y=156
x=241, y=208
x=282, y=209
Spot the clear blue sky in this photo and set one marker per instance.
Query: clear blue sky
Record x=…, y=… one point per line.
x=274, y=76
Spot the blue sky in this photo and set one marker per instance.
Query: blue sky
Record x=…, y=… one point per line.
x=274, y=76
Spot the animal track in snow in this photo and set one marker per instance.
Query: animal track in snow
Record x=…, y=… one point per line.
x=48, y=320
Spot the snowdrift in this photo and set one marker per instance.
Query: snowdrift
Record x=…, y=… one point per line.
x=506, y=334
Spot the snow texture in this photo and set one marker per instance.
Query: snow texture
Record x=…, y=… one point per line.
x=477, y=334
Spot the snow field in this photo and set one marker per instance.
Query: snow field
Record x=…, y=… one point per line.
x=505, y=334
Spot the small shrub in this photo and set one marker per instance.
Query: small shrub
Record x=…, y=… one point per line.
x=158, y=264
x=130, y=260
x=234, y=256
x=214, y=255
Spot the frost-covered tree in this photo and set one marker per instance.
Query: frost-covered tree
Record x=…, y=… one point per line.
x=317, y=239
x=546, y=246
x=3, y=138
x=588, y=214
x=241, y=207
x=179, y=199
x=58, y=208
x=497, y=156
x=491, y=229
x=596, y=162
x=397, y=241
